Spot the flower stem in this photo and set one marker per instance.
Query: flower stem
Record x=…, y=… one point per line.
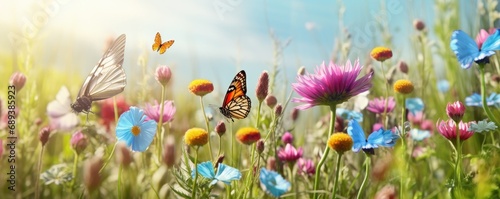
x=75, y=163
x=402, y=176
x=39, y=168
x=208, y=128
x=109, y=158
x=249, y=178
x=458, y=178
x=333, y=108
x=160, y=123
x=258, y=115
x=196, y=173
x=384, y=114
x=335, y=185
x=365, y=179
x=483, y=97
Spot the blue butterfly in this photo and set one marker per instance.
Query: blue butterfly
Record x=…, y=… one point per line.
x=378, y=138
x=467, y=50
x=224, y=173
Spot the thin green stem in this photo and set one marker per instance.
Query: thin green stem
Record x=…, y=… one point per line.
x=483, y=97
x=232, y=143
x=75, y=163
x=337, y=174
x=39, y=168
x=384, y=114
x=249, y=177
x=195, y=174
x=365, y=179
x=458, y=177
x=258, y=115
x=109, y=158
x=160, y=124
x=402, y=177
x=208, y=128
x=333, y=108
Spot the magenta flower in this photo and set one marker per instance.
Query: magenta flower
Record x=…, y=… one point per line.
x=306, y=167
x=78, y=141
x=163, y=75
x=377, y=105
x=287, y=138
x=153, y=111
x=331, y=85
x=289, y=153
x=483, y=35
x=448, y=130
x=455, y=110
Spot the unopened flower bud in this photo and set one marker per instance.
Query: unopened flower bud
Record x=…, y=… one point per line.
x=295, y=114
x=403, y=67
x=91, y=176
x=271, y=101
x=44, y=135
x=301, y=71
x=278, y=110
x=220, y=128
x=260, y=146
x=123, y=155
x=271, y=163
x=169, y=151
x=78, y=141
x=163, y=75
x=287, y=138
x=418, y=24
x=17, y=80
x=495, y=78
x=455, y=111
x=262, y=86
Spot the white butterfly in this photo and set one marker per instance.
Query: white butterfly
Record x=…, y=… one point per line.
x=106, y=80
x=60, y=115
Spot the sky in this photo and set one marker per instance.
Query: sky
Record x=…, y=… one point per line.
x=213, y=39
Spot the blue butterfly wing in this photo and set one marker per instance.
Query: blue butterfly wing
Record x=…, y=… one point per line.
x=357, y=134
x=381, y=138
x=205, y=169
x=464, y=47
x=226, y=173
x=491, y=44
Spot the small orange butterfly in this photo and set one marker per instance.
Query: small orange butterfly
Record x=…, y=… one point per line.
x=236, y=103
x=161, y=47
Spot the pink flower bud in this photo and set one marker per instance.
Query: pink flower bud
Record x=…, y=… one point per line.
x=169, y=151
x=123, y=155
x=91, y=176
x=271, y=101
x=262, y=86
x=260, y=146
x=17, y=80
x=418, y=24
x=78, y=141
x=287, y=138
x=163, y=75
x=44, y=135
x=220, y=128
x=455, y=111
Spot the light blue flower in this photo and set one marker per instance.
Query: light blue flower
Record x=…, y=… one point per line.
x=443, y=86
x=414, y=105
x=482, y=126
x=475, y=100
x=134, y=130
x=468, y=51
x=224, y=173
x=349, y=115
x=273, y=182
x=381, y=137
x=419, y=135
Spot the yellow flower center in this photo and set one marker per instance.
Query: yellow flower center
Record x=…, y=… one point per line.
x=340, y=142
x=136, y=130
x=403, y=86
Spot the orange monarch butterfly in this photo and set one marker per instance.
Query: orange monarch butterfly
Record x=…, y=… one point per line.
x=161, y=47
x=236, y=104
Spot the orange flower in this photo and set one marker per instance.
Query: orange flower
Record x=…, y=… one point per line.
x=248, y=135
x=201, y=87
x=381, y=53
x=340, y=142
x=403, y=86
x=196, y=137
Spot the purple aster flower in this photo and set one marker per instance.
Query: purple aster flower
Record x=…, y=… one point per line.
x=331, y=85
x=153, y=111
x=377, y=105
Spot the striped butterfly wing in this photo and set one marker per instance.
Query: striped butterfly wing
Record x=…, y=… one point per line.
x=107, y=78
x=236, y=104
x=161, y=47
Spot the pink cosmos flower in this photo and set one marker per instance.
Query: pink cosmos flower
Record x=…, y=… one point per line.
x=153, y=111
x=377, y=105
x=306, y=167
x=455, y=110
x=448, y=130
x=289, y=153
x=331, y=85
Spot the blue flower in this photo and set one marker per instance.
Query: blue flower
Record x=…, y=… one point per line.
x=443, y=86
x=134, y=130
x=482, y=126
x=273, y=182
x=414, y=105
x=475, y=100
x=378, y=138
x=349, y=115
x=467, y=51
x=419, y=135
x=224, y=173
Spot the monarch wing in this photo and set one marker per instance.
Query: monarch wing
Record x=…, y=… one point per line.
x=108, y=77
x=166, y=45
x=237, y=88
x=157, y=44
x=239, y=107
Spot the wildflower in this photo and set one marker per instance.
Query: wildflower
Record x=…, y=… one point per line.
x=225, y=173
x=295, y=114
x=482, y=36
x=475, y=100
x=381, y=137
x=419, y=135
x=169, y=151
x=123, y=155
x=427, y=125
x=163, y=75
x=403, y=86
x=220, y=128
x=107, y=111
x=271, y=163
x=455, y=110
x=377, y=105
x=43, y=135
x=153, y=111
x=196, y=137
x=278, y=110
x=387, y=192
x=403, y=67
x=289, y=153
x=91, y=176
x=262, y=86
x=78, y=141
x=482, y=126
x=271, y=101
x=467, y=51
x=340, y=142
x=287, y=138
x=414, y=105
x=349, y=115
x=134, y=130
x=377, y=126
x=381, y=53
x=17, y=80
x=330, y=85
x=306, y=167
x=58, y=174
x=260, y=146
x=448, y=130
x=418, y=24
x=248, y=135
x=201, y=87
x=443, y=86
x=273, y=183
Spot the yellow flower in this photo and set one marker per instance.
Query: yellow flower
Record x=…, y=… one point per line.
x=248, y=135
x=201, y=87
x=196, y=137
x=340, y=142
x=403, y=86
x=381, y=53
